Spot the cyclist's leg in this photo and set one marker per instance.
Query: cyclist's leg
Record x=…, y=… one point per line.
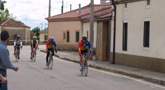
x=14, y=50
x=81, y=58
x=31, y=52
x=18, y=53
x=47, y=57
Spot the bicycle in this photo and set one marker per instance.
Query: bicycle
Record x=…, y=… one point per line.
x=16, y=53
x=34, y=55
x=84, y=65
x=50, y=60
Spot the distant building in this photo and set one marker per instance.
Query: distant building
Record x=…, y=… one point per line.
x=16, y=28
x=43, y=35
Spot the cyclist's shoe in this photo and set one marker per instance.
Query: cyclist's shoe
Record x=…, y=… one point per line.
x=18, y=57
x=30, y=57
x=81, y=68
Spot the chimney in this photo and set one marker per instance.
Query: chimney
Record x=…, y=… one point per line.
x=79, y=8
x=103, y=3
x=70, y=7
x=62, y=7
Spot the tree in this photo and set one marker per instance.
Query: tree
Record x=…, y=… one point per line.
x=4, y=12
x=2, y=5
x=36, y=30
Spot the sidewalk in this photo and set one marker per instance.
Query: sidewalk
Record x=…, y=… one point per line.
x=154, y=77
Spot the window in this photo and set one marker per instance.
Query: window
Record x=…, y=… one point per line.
x=146, y=33
x=125, y=31
x=46, y=37
x=77, y=36
x=125, y=5
x=148, y=2
x=68, y=36
x=64, y=35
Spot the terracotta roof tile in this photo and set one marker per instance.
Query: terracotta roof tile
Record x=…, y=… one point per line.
x=44, y=31
x=12, y=23
x=75, y=13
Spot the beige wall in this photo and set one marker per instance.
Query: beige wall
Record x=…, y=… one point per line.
x=135, y=14
x=23, y=32
x=42, y=37
x=86, y=27
x=137, y=55
x=56, y=30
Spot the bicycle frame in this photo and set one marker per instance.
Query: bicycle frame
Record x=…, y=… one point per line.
x=50, y=60
x=84, y=65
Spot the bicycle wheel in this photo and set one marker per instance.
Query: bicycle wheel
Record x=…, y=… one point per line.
x=50, y=63
x=34, y=58
x=16, y=55
x=86, y=69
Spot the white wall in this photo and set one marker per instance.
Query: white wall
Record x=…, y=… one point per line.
x=86, y=27
x=135, y=14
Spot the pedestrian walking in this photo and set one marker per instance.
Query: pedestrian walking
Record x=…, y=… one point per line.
x=5, y=58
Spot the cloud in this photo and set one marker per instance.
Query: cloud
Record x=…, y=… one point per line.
x=37, y=10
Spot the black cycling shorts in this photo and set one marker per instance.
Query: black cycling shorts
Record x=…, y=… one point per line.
x=84, y=51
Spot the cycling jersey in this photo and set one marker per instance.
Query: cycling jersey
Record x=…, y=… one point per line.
x=34, y=43
x=51, y=45
x=18, y=42
x=84, y=46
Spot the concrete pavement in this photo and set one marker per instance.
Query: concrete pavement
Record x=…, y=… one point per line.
x=154, y=77
x=65, y=75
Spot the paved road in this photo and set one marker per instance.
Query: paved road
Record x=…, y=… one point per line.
x=66, y=76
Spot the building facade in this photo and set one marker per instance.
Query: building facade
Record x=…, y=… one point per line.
x=140, y=40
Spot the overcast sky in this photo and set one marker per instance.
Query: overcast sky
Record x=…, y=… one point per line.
x=37, y=10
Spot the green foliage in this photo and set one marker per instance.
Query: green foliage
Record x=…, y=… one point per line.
x=20, y=22
x=10, y=43
x=4, y=12
x=36, y=30
x=38, y=38
x=2, y=5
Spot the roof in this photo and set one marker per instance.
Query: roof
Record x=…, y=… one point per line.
x=125, y=1
x=44, y=31
x=12, y=23
x=74, y=14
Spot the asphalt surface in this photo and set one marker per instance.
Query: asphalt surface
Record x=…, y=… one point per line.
x=65, y=75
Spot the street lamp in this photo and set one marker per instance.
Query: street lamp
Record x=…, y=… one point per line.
x=25, y=21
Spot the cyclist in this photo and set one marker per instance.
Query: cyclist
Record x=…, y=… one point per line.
x=34, y=44
x=17, y=44
x=50, y=46
x=84, y=47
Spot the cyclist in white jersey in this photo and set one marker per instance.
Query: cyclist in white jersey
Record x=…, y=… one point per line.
x=17, y=44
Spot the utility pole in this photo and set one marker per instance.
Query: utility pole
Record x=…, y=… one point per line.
x=49, y=13
x=0, y=4
x=114, y=32
x=91, y=23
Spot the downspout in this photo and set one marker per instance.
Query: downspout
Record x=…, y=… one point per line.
x=114, y=32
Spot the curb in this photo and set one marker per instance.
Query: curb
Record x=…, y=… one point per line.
x=149, y=79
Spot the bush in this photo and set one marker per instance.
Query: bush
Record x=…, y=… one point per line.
x=10, y=43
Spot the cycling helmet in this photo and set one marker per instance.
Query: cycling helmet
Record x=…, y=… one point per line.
x=84, y=37
x=51, y=38
x=18, y=36
x=34, y=37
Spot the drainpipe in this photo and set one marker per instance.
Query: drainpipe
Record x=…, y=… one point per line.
x=114, y=32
